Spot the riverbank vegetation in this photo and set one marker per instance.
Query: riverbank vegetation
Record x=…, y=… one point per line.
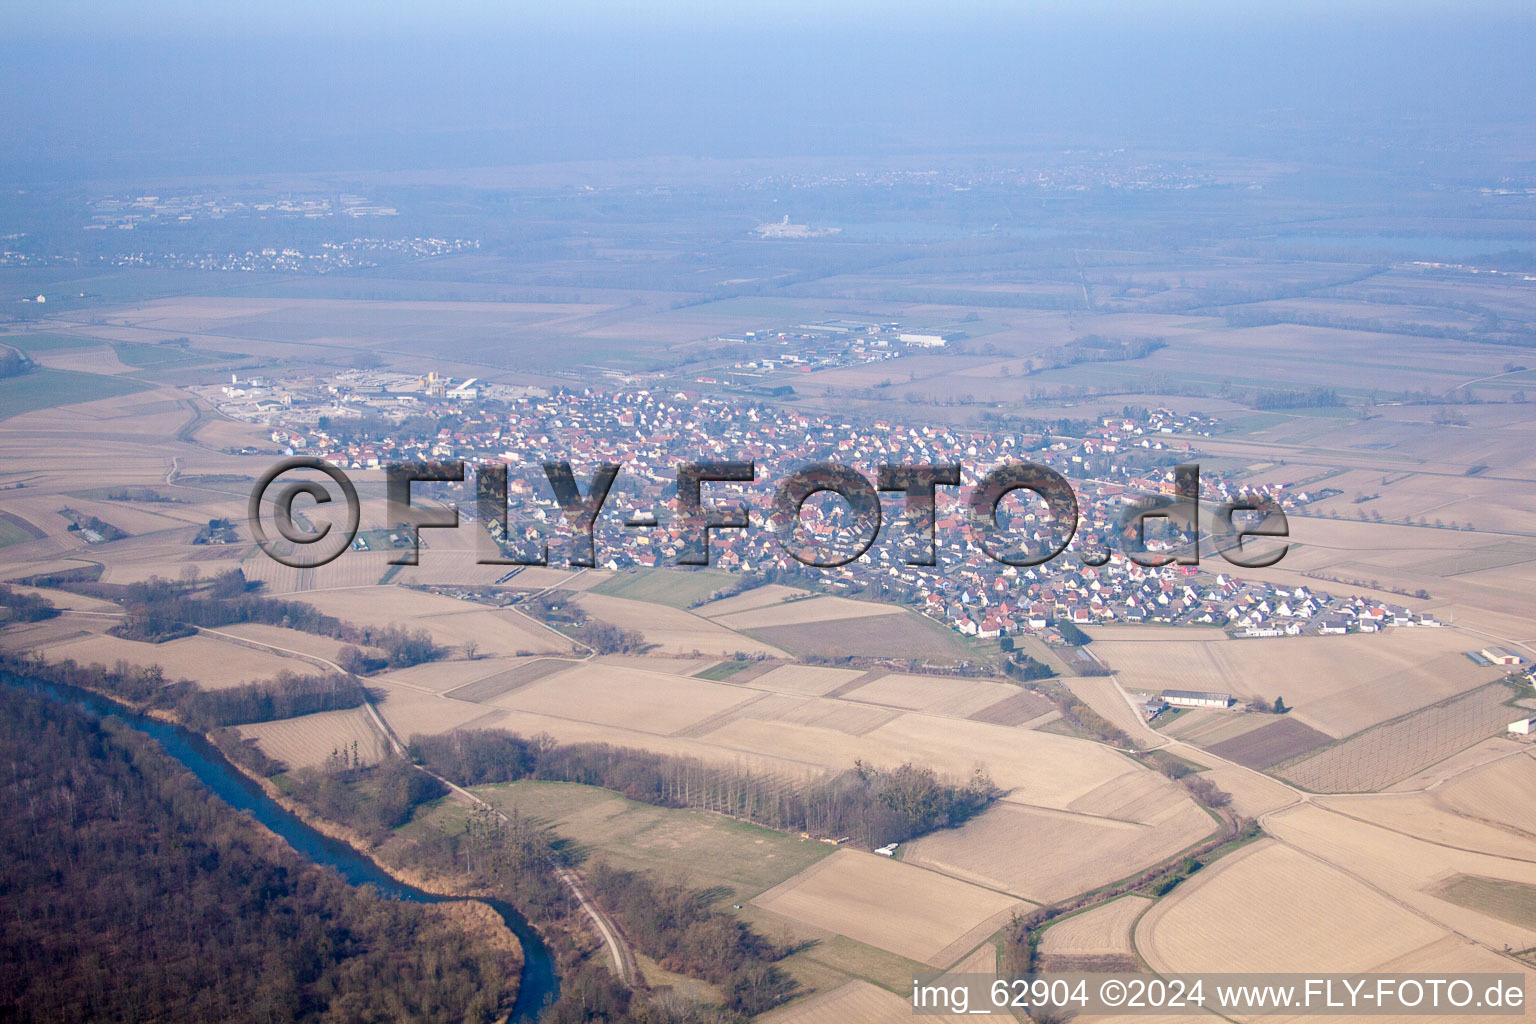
x=131, y=892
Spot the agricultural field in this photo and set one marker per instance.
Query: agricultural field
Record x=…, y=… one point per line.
x=451, y=623
x=937, y=920
x=1046, y=854
x=16, y=530
x=1269, y=907
x=46, y=389
x=645, y=702
x=810, y=680
x=757, y=597
x=671, y=630
x=1338, y=685
x=904, y=635
x=410, y=711
x=934, y=695
x=1376, y=758
x=208, y=661
x=307, y=741
x=1409, y=870
x=854, y=1001
x=1514, y=902
x=705, y=850
x=672, y=587
x=800, y=612
x=1278, y=740
x=1103, y=931
x=522, y=672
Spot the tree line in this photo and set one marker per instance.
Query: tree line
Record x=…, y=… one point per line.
x=868, y=805
x=146, y=687
x=159, y=610
x=19, y=607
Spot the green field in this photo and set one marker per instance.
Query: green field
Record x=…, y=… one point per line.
x=162, y=357
x=677, y=588
x=14, y=530
x=44, y=389
x=47, y=342
x=705, y=850
x=723, y=671
x=1514, y=902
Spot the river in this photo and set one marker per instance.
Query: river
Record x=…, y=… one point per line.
x=539, y=981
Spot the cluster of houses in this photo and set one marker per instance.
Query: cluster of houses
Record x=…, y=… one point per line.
x=650, y=432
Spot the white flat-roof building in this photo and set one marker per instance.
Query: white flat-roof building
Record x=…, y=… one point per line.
x=927, y=339
x=1524, y=727
x=1197, y=699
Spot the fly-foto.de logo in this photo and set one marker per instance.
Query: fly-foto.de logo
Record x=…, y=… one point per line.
x=1161, y=529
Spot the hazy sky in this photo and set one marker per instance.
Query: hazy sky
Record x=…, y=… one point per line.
x=97, y=88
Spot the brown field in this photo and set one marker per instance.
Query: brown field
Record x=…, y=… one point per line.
x=796, y=613
x=757, y=597
x=1408, y=869
x=308, y=740
x=1271, y=743
x=903, y=635
x=655, y=663
x=855, y=1001
x=1379, y=757
x=1018, y=709
x=1104, y=929
x=1046, y=855
x=1206, y=727
x=410, y=712
x=1475, y=756
x=673, y=630
x=648, y=702
x=849, y=893
x=521, y=672
x=1499, y=793
x=450, y=622
x=1426, y=816
x=838, y=715
x=1252, y=794
x=288, y=639
x=811, y=680
x=442, y=676
x=1336, y=684
x=207, y=661
x=1104, y=695
x=934, y=695
x=1270, y=908
x=1033, y=767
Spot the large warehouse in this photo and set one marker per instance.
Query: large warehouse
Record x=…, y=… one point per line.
x=1197, y=699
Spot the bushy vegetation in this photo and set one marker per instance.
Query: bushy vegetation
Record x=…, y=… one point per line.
x=286, y=696
x=871, y=806
x=161, y=609
x=130, y=892
x=372, y=800
x=19, y=607
x=677, y=927
x=13, y=363
x=1021, y=666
